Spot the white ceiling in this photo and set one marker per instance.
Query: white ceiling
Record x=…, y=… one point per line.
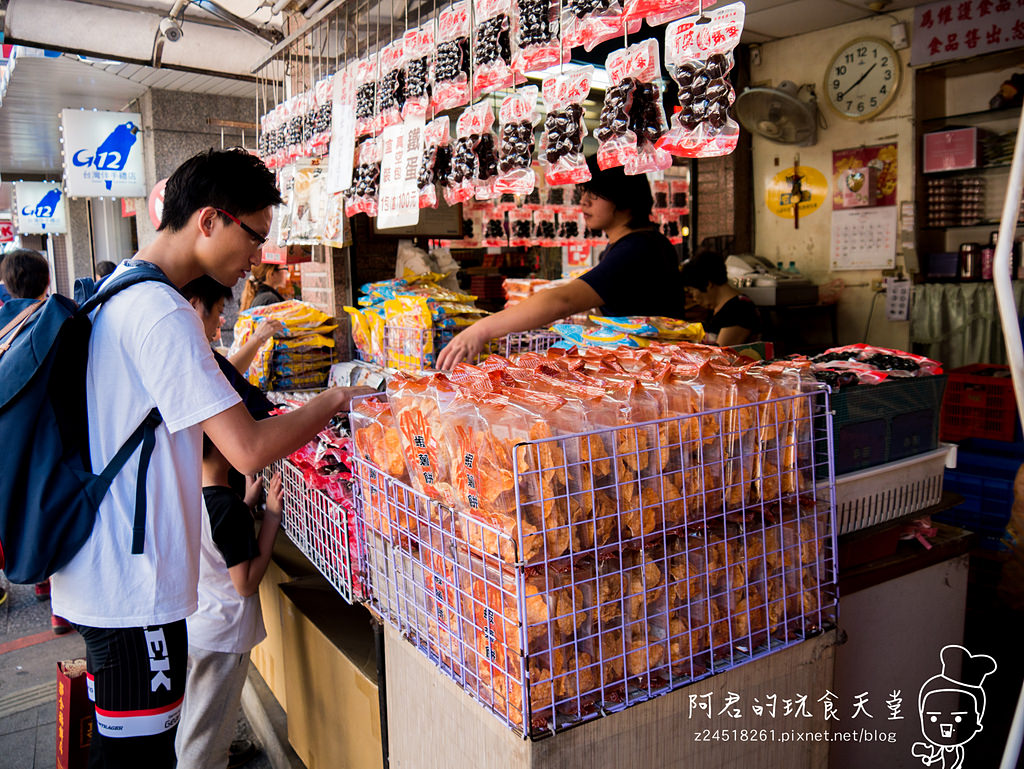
x=127, y=30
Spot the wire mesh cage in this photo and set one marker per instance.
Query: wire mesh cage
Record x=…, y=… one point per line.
x=415, y=349
x=596, y=570
x=321, y=528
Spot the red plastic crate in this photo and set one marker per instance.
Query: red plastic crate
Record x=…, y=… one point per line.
x=979, y=403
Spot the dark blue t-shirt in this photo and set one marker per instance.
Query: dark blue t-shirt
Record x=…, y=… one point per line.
x=639, y=275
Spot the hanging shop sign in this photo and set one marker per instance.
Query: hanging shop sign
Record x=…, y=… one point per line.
x=802, y=186
x=40, y=208
x=155, y=204
x=103, y=154
x=399, y=192
x=343, y=132
x=956, y=29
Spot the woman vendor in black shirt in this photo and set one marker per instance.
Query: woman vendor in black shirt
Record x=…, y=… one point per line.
x=638, y=273
x=734, y=318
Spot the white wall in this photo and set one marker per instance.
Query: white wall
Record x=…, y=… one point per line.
x=803, y=59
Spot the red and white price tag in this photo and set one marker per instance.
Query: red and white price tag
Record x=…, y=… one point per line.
x=6, y=232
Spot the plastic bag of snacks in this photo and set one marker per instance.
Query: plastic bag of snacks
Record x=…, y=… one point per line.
x=391, y=87
x=654, y=327
x=633, y=118
x=409, y=332
x=474, y=160
x=544, y=230
x=494, y=227
x=564, y=129
x=365, y=180
x=436, y=163
x=366, y=96
x=570, y=226
x=536, y=26
x=418, y=50
x=699, y=58
x=451, y=61
x=588, y=23
x=520, y=224
x=518, y=115
x=323, y=97
x=658, y=12
x=492, y=46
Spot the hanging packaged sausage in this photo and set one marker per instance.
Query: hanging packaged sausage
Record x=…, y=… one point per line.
x=492, y=46
x=365, y=179
x=538, y=46
x=564, y=129
x=418, y=50
x=366, y=96
x=590, y=22
x=437, y=161
x=518, y=116
x=699, y=57
x=633, y=118
x=451, y=62
x=391, y=88
x=474, y=160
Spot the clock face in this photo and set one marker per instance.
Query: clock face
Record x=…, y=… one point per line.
x=862, y=78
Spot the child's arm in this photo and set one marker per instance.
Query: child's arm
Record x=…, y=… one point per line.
x=246, y=576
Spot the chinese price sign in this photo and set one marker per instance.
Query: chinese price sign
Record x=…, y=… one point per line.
x=956, y=29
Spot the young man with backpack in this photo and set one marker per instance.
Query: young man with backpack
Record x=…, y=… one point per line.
x=130, y=586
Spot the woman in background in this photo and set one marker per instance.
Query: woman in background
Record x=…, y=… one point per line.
x=734, y=319
x=268, y=284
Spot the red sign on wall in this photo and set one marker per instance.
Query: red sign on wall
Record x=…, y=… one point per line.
x=955, y=29
x=6, y=232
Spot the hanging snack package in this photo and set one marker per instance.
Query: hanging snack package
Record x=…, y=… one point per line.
x=699, y=58
x=451, y=62
x=570, y=226
x=323, y=100
x=495, y=235
x=366, y=96
x=492, y=46
x=588, y=23
x=658, y=12
x=391, y=88
x=564, y=130
x=538, y=45
x=659, y=189
x=679, y=195
x=544, y=231
x=520, y=225
x=474, y=156
x=365, y=179
x=436, y=163
x=418, y=50
x=518, y=116
x=307, y=106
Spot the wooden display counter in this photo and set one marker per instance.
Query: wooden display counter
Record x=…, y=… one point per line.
x=434, y=724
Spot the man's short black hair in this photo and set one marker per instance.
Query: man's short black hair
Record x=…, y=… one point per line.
x=704, y=268
x=25, y=273
x=104, y=268
x=207, y=290
x=232, y=179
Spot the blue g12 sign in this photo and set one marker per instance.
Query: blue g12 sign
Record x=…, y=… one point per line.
x=103, y=153
x=40, y=207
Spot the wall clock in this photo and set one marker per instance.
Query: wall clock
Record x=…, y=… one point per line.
x=862, y=78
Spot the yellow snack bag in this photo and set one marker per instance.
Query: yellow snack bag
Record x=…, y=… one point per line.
x=410, y=333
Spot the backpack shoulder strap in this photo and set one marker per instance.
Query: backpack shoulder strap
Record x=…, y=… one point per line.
x=141, y=272
x=16, y=324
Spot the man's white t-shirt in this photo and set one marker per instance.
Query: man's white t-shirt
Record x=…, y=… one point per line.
x=225, y=621
x=147, y=349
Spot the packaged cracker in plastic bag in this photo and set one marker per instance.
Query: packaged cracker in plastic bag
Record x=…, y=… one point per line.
x=518, y=115
x=366, y=96
x=699, y=58
x=436, y=163
x=536, y=25
x=418, y=60
x=391, y=87
x=452, y=62
x=492, y=46
x=632, y=118
x=564, y=129
x=474, y=159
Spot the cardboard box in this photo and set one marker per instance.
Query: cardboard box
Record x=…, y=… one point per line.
x=286, y=564
x=434, y=724
x=331, y=671
x=76, y=716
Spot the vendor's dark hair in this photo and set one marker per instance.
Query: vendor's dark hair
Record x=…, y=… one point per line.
x=625, y=192
x=25, y=273
x=207, y=290
x=232, y=179
x=703, y=269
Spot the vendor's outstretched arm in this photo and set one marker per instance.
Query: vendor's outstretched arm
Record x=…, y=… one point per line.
x=539, y=310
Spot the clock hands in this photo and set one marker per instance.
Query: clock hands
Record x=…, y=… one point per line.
x=843, y=93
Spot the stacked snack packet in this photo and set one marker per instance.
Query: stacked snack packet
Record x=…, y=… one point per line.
x=298, y=359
